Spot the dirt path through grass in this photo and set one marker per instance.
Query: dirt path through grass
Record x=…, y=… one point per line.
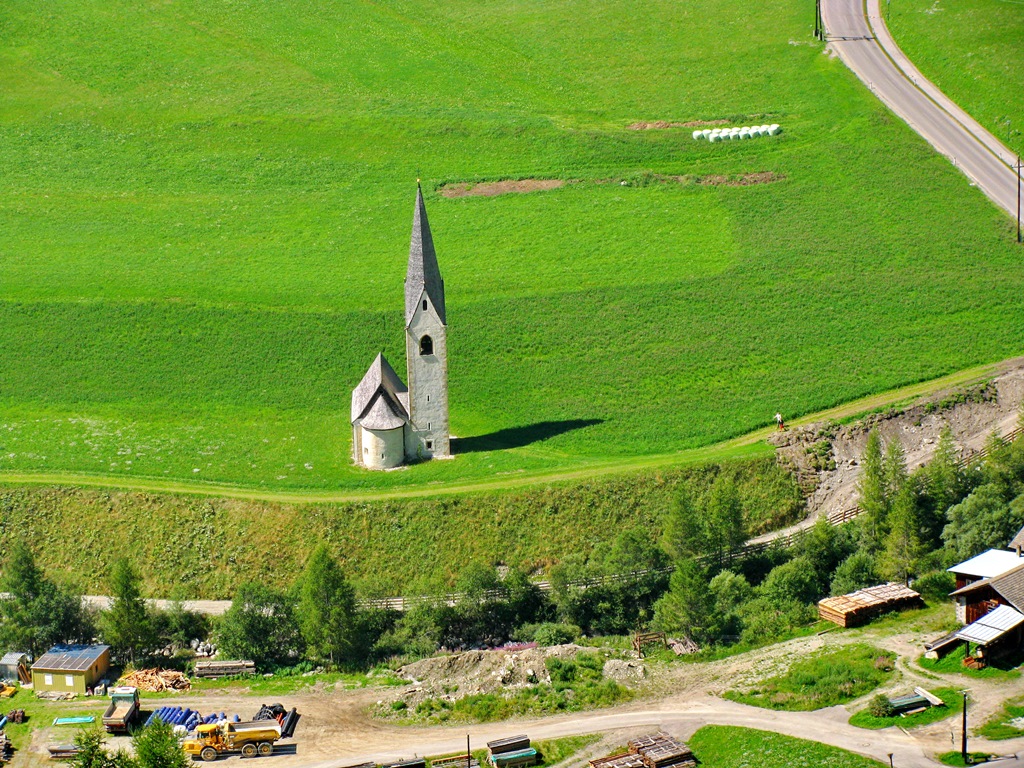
x=749, y=444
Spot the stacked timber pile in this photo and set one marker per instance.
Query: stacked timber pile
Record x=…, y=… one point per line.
x=56, y=695
x=63, y=751
x=455, y=761
x=156, y=680
x=861, y=606
x=418, y=762
x=662, y=751
x=214, y=669
x=6, y=750
x=513, y=752
x=625, y=760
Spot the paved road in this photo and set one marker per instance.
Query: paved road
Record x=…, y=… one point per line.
x=858, y=34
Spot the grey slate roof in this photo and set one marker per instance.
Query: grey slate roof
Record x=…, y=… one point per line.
x=423, y=275
x=380, y=379
x=1017, y=542
x=382, y=415
x=69, y=658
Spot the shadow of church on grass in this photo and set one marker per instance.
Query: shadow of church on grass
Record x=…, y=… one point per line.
x=518, y=437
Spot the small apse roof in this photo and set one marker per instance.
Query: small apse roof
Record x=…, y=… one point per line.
x=995, y=562
x=380, y=379
x=70, y=658
x=992, y=625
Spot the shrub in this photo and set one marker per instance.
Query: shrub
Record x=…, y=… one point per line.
x=881, y=706
x=935, y=586
x=548, y=633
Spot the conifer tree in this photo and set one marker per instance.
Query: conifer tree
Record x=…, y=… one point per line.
x=38, y=613
x=872, y=491
x=903, y=542
x=327, y=608
x=127, y=625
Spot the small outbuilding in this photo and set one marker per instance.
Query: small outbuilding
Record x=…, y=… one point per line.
x=14, y=666
x=71, y=668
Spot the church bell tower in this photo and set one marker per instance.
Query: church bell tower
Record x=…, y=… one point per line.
x=426, y=345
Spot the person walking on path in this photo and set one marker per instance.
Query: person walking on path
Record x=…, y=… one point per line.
x=779, y=421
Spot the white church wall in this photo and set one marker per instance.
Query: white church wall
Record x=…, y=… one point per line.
x=383, y=448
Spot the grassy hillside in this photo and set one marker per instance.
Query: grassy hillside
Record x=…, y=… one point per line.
x=191, y=547
x=205, y=212
x=974, y=51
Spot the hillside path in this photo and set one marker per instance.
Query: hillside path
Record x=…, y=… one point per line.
x=857, y=32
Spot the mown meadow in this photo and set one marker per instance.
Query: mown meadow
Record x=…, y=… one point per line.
x=205, y=211
x=974, y=51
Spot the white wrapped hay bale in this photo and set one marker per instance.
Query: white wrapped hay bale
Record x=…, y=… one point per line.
x=698, y=135
x=775, y=129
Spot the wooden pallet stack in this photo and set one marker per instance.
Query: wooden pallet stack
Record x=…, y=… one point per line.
x=662, y=751
x=215, y=669
x=863, y=605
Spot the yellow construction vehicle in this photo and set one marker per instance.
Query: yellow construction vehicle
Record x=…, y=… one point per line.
x=248, y=739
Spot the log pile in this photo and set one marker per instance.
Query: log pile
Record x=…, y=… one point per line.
x=63, y=751
x=6, y=750
x=156, y=680
x=215, y=669
x=662, y=751
x=861, y=606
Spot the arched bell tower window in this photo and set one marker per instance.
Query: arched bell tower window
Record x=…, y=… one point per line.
x=426, y=346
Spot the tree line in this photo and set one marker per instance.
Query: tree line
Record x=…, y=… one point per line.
x=683, y=580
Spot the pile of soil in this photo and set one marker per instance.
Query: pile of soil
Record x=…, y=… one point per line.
x=473, y=672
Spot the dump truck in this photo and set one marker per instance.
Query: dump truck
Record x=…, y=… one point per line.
x=225, y=738
x=123, y=711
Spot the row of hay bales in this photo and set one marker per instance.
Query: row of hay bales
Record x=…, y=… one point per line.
x=730, y=134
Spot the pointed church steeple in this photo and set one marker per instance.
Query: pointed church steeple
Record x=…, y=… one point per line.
x=423, y=276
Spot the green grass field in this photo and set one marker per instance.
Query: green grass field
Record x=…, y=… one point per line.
x=953, y=704
x=974, y=51
x=190, y=547
x=722, y=746
x=205, y=211
x=823, y=679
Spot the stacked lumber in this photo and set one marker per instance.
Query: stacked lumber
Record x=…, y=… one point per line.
x=6, y=750
x=55, y=696
x=624, y=760
x=456, y=761
x=861, y=606
x=415, y=763
x=511, y=752
x=156, y=680
x=214, y=669
x=63, y=751
x=662, y=751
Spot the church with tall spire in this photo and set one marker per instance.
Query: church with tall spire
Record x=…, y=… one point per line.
x=393, y=424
